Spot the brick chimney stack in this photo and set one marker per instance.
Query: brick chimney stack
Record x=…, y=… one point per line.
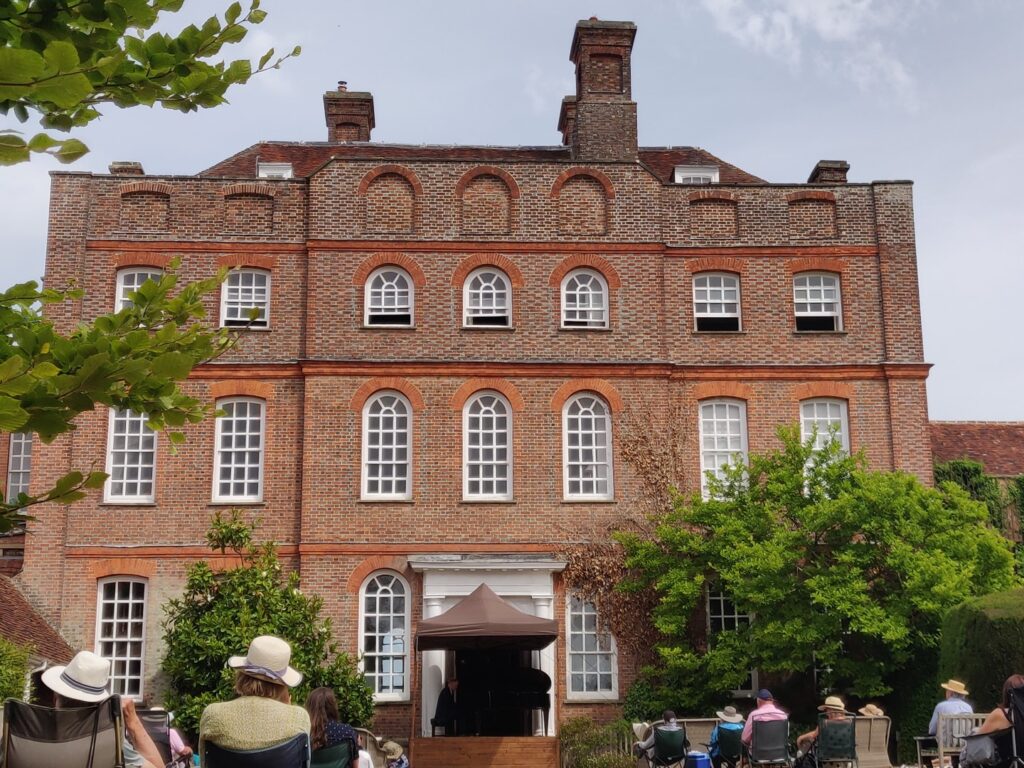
x=349, y=114
x=829, y=172
x=604, y=124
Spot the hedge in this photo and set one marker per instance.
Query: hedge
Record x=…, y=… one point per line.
x=13, y=669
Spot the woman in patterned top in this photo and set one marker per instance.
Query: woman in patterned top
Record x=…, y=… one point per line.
x=326, y=728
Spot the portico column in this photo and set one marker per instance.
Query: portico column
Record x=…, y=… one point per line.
x=544, y=660
x=433, y=667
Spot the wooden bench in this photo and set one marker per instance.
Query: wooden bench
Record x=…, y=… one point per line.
x=949, y=733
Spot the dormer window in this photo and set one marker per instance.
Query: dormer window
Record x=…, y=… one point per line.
x=274, y=170
x=696, y=174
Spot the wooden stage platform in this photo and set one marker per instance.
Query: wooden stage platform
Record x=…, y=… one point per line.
x=485, y=752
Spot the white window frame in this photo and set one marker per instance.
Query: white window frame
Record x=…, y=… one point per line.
x=121, y=300
x=19, y=464
x=404, y=694
x=836, y=314
x=100, y=639
x=468, y=315
x=717, y=452
x=695, y=174
x=217, y=496
x=141, y=498
x=570, y=694
x=274, y=170
x=566, y=495
x=807, y=424
x=367, y=295
x=603, y=283
x=228, y=301
x=697, y=314
x=720, y=596
x=466, y=493
x=365, y=495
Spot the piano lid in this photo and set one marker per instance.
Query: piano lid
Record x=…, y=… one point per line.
x=484, y=620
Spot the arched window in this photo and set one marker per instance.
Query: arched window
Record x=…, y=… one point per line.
x=121, y=632
x=487, y=299
x=384, y=635
x=130, y=280
x=238, y=450
x=826, y=419
x=716, y=301
x=243, y=291
x=389, y=297
x=387, y=447
x=487, y=448
x=584, y=300
x=816, y=302
x=587, y=448
x=131, y=459
x=723, y=437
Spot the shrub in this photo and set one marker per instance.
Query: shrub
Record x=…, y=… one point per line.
x=586, y=744
x=13, y=669
x=983, y=644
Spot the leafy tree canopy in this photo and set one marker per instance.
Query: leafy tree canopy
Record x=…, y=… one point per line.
x=221, y=611
x=855, y=568
x=60, y=60
x=134, y=358
x=13, y=669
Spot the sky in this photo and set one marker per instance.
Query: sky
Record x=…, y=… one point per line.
x=926, y=90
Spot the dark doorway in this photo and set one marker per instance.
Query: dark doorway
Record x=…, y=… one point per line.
x=499, y=691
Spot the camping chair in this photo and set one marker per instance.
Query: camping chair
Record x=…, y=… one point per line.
x=338, y=756
x=293, y=753
x=769, y=743
x=837, y=741
x=41, y=737
x=157, y=723
x=730, y=746
x=1017, y=732
x=669, y=746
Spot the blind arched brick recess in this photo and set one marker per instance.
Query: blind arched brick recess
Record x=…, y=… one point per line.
x=812, y=215
x=488, y=198
x=249, y=213
x=390, y=204
x=145, y=206
x=713, y=216
x=582, y=207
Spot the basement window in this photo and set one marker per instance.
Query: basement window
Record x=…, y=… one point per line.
x=274, y=170
x=695, y=174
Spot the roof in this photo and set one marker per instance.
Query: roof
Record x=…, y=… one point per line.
x=999, y=445
x=307, y=157
x=22, y=624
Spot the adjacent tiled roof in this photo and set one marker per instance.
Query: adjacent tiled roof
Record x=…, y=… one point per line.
x=999, y=445
x=20, y=623
x=307, y=157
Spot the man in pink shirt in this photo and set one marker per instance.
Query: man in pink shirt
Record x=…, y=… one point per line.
x=766, y=710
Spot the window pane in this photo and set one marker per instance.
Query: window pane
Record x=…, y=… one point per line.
x=382, y=639
x=386, y=447
x=592, y=662
x=131, y=457
x=19, y=464
x=584, y=300
x=723, y=437
x=487, y=299
x=239, y=456
x=488, y=437
x=825, y=419
x=587, y=441
x=389, y=297
x=245, y=290
x=129, y=281
x=122, y=641
x=716, y=302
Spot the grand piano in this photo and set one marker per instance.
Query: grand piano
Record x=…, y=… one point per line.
x=499, y=693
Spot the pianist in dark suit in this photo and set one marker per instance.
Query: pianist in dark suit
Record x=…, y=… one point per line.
x=449, y=710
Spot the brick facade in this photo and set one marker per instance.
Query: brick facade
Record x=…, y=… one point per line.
x=599, y=203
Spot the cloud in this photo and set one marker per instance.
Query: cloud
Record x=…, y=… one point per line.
x=846, y=36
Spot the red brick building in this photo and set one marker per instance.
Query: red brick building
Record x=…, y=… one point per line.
x=450, y=341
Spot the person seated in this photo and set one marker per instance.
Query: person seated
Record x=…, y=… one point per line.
x=728, y=720
x=394, y=755
x=447, y=713
x=834, y=709
x=766, y=710
x=999, y=724
x=262, y=715
x=955, y=703
x=668, y=723
x=871, y=710
x=326, y=729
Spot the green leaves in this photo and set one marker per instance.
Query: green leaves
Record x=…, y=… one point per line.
x=60, y=65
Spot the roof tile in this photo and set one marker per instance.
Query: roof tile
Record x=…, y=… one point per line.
x=22, y=624
x=997, y=445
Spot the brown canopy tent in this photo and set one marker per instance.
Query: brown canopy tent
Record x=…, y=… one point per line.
x=484, y=620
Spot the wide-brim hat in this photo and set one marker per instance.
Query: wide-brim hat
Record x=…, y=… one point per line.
x=955, y=686
x=392, y=750
x=268, y=659
x=640, y=730
x=729, y=715
x=833, y=704
x=84, y=678
x=870, y=710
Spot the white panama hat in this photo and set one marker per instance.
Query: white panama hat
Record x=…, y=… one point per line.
x=85, y=678
x=268, y=659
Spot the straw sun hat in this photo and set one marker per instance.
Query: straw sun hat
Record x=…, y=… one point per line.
x=268, y=659
x=729, y=715
x=834, y=704
x=955, y=686
x=84, y=678
x=871, y=710
x=392, y=750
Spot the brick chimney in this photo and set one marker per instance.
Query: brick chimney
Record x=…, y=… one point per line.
x=126, y=168
x=567, y=120
x=604, y=128
x=829, y=172
x=349, y=114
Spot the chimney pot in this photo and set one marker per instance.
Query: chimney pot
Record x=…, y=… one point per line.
x=343, y=85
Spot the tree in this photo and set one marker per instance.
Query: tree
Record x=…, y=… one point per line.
x=131, y=359
x=834, y=562
x=13, y=669
x=60, y=60
x=221, y=611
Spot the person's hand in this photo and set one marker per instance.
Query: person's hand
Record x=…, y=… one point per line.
x=128, y=709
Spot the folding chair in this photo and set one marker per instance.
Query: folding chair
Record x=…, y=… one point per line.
x=837, y=741
x=669, y=746
x=769, y=743
x=293, y=753
x=157, y=723
x=90, y=736
x=338, y=756
x=1016, y=759
x=730, y=746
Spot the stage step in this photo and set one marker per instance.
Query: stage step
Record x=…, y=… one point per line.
x=485, y=752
